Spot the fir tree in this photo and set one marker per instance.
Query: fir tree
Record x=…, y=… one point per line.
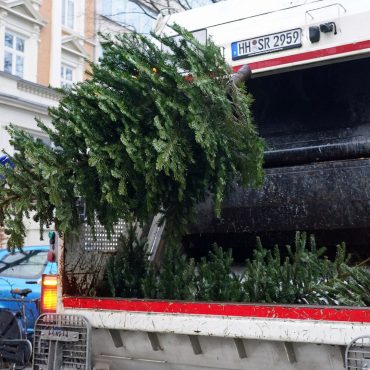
x=125, y=271
x=152, y=131
x=151, y=281
x=176, y=275
x=304, y=276
x=215, y=279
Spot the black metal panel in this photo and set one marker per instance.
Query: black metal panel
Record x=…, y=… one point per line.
x=316, y=123
x=327, y=195
x=311, y=100
x=322, y=113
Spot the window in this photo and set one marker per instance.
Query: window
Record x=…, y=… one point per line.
x=45, y=139
x=14, y=54
x=66, y=76
x=26, y=265
x=128, y=13
x=68, y=13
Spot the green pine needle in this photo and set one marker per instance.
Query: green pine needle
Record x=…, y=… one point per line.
x=150, y=132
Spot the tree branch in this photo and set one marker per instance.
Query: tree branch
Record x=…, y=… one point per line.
x=144, y=9
x=9, y=199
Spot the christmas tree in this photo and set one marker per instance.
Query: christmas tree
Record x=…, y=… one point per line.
x=304, y=276
x=125, y=272
x=154, y=130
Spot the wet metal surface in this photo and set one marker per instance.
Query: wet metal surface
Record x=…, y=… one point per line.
x=316, y=123
x=329, y=195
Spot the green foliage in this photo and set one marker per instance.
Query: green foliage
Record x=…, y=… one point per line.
x=150, y=282
x=304, y=276
x=176, y=275
x=136, y=139
x=215, y=279
x=346, y=285
x=126, y=270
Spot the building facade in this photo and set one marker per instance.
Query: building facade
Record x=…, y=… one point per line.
x=43, y=44
x=47, y=44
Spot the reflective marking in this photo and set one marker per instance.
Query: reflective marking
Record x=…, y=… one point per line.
x=320, y=313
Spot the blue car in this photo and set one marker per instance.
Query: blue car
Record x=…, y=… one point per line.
x=20, y=271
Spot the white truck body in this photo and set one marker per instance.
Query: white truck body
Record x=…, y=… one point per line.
x=237, y=20
x=139, y=334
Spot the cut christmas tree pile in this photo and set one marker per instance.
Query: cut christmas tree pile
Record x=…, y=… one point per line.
x=305, y=276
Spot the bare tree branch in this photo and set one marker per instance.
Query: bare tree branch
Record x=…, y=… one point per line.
x=150, y=5
x=151, y=9
x=186, y=5
x=144, y=9
x=158, y=5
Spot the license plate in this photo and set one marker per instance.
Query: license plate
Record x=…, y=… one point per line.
x=267, y=44
x=60, y=335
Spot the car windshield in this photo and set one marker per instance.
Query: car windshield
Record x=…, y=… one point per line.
x=24, y=265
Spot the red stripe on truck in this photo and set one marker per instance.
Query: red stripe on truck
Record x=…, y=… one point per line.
x=341, y=49
x=223, y=309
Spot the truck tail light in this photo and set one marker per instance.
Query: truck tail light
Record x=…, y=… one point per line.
x=49, y=293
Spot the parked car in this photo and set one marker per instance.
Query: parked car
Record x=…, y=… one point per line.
x=21, y=270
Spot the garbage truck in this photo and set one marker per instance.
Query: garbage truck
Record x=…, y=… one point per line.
x=310, y=62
